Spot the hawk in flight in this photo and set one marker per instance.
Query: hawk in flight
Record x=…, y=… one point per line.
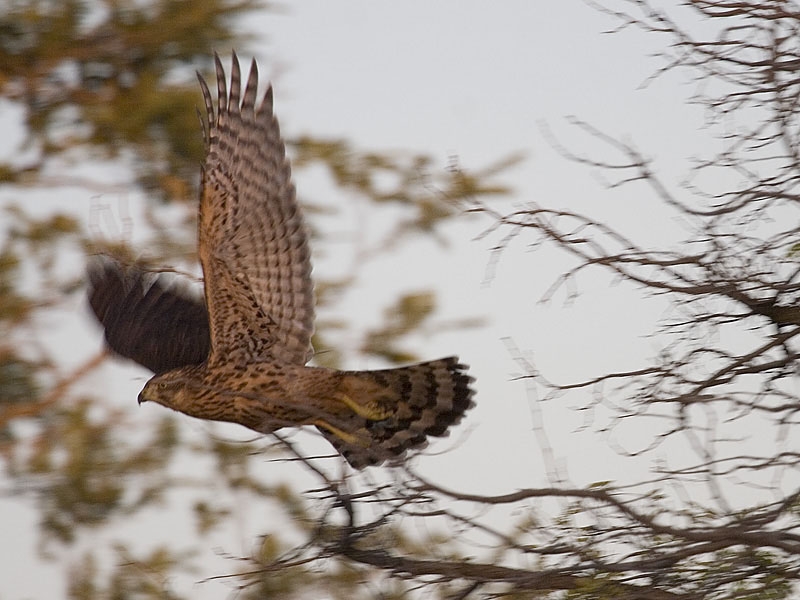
x=241, y=355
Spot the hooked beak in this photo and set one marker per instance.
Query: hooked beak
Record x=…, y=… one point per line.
x=141, y=398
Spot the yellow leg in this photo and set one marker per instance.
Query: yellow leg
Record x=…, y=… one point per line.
x=373, y=413
x=348, y=438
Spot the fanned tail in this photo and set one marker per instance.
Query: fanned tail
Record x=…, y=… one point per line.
x=428, y=399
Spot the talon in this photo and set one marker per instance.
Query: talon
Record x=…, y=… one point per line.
x=375, y=412
x=348, y=438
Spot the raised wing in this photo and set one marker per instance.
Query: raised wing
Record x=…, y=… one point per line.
x=158, y=326
x=252, y=240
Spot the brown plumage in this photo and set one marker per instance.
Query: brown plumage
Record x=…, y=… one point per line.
x=240, y=355
x=159, y=327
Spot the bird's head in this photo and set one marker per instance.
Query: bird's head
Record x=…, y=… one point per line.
x=171, y=389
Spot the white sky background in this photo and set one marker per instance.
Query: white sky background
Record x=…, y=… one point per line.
x=473, y=80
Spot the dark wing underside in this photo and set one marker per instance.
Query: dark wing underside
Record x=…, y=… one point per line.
x=146, y=320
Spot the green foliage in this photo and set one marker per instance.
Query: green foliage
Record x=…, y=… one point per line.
x=403, y=179
x=404, y=317
x=108, y=83
x=208, y=516
x=82, y=469
x=14, y=307
x=147, y=578
x=17, y=379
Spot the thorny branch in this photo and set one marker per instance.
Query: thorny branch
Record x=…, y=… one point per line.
x=654, y=552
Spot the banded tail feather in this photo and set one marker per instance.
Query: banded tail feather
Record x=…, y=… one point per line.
x=430, y=398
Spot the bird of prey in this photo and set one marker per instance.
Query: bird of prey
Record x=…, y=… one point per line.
x=240, y=356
